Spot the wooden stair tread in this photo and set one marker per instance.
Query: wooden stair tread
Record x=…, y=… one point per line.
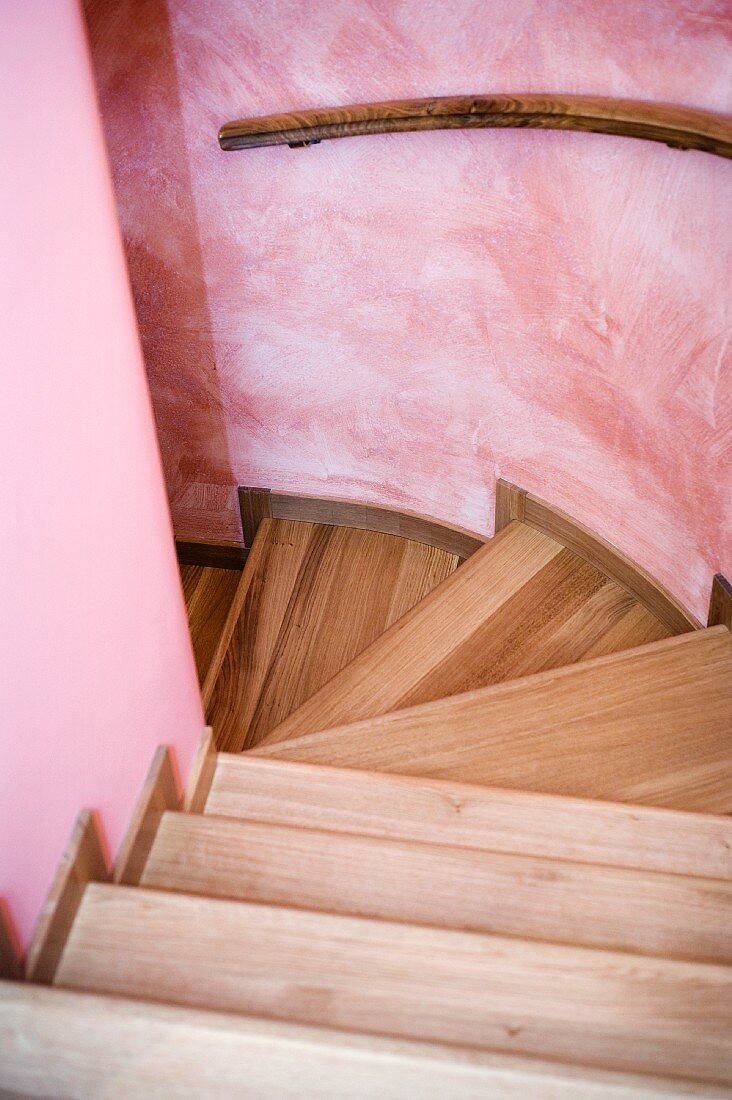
x=437, y=811
x=208, y=593
x=650, y=725
x=614, y=1010
x=56, y=1042
x=519, y=605
x=311, y=598
x=517, y=895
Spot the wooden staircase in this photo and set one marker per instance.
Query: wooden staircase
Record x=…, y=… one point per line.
x=478, y=845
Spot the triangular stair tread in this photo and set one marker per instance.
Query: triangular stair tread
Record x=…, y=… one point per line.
x=649, y=726
x=671, y=915
x=492, y=819
x=51, y=1039
x=601, y=1008
x=519, y=605
x=311, y=597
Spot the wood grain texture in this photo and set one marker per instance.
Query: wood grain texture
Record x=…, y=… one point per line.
x=649, y=726
x=56, y=1042
x=209, y=593
x=513, y=895
x=201, y=774
x=257, y=555
x=513, y=503
x=158, y=794
x=570, y=1003
x=215, y=555
x=258, y=788
x=372, y=517
x=720, y=602
x=82, y=862
x=678, y=127
x=254, y=506
x=521, y=604
x=320, y=595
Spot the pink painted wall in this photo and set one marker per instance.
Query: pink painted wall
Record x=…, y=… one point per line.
x=402, y=318
x=96, y=664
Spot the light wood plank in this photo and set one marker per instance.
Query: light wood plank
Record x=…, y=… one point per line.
x=513, y=503
x=257, y=788
x=158, y=794
x=59, y=1043
x=601, y=1008
x=520, y=605
x=201, y=774
x=248, y=579
x=82, y=862
x=320, y=595
x=649, y=726
x=208, y=595
x=514, y=895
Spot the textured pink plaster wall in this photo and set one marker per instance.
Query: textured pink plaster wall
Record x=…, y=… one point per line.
x=403, y=318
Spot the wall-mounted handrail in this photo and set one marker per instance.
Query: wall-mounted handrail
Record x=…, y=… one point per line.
x=678, y=127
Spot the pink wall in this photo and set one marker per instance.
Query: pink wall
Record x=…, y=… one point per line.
x=96, y=663
x=403, y=318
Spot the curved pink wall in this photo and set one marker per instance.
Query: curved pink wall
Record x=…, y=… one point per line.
x=96, y=662
x=402, y=318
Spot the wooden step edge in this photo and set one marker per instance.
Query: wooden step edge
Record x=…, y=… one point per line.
x=409, y=981
x=258, y=504
x=213, y=555
x=720, y=602
x=83, y=861
x=60, y=1042
x=201, y=774
x=159, y=793
x=498, y=570
x=248, y=574
x=471, y=816
x=10, y=954
x=516, y=504
x=289, y=746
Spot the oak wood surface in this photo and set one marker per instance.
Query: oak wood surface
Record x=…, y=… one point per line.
x=259, y=788
x=158, y=794
x=678, y=126
x=82, y=862
x=513, y=503
x=254, y=506
x=720, y=602
x=208, y=593
x=516, y=895
x=519, y=605
x=649, y=726
x=367, y=517
x=56, y=1042
x=318, y=596
x=216, y=555
x=602, y=1008
x=201, y=774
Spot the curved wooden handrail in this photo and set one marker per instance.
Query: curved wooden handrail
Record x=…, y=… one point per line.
x=678, y=127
